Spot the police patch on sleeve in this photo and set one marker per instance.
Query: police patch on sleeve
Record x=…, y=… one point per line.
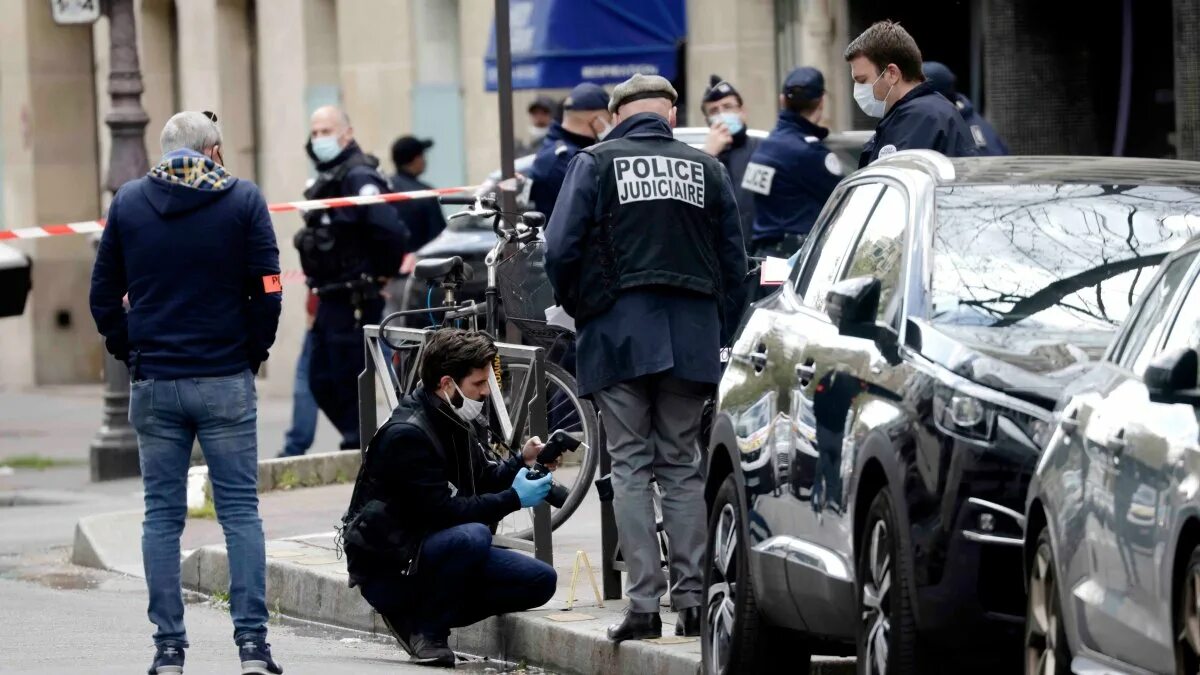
x=980, y=139
x=368, y=190
x=887, y=150
x=654, y=177
x=758, y=178
x=832, y=165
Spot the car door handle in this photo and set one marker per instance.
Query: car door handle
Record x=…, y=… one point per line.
x=805, y=372
x=1116, y=443
x=758, y=358
x=1070, y=422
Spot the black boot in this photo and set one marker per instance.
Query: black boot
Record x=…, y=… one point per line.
x=637, y=626
x=688, y=623
x=431, y=652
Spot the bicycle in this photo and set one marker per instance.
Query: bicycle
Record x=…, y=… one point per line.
x=509, y=419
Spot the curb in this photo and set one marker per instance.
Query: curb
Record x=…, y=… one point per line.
x=95, y=537
x=284, y=473
x=317, y=590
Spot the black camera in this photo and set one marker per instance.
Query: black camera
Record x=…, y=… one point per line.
x=559, y=442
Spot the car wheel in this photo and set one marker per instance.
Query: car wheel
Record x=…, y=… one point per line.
x=1046, y=648
x=887, y=634
x=734, y=637
x=1187, y=618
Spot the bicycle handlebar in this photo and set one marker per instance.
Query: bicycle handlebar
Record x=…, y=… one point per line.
x=486, y=201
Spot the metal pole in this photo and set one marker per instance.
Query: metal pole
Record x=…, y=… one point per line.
x=114, y=452
x=508, y=199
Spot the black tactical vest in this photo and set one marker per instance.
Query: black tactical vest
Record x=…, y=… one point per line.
x=328, y=244
x=657, y=222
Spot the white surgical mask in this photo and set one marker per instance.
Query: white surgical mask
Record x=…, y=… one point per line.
x=470, y=408
x=864, y=95
x=326, y=148
x=537, y=133
x=608, y=127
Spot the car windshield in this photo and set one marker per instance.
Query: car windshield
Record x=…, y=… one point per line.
x=1062, y=259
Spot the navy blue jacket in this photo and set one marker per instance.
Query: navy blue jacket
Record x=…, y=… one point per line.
x=201, y=268
x=987, y=141
x=422, y=217
x=550, y=166
x=791, y=175
x=736, y=158
x=647, y=330
x=922, y=119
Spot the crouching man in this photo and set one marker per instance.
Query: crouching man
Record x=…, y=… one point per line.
x=418, y=533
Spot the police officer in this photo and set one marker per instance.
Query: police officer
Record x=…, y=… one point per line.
x=728, y=141
x=645, y=251
x=792, y=173
x=885, y=63
x=987, y=141
x=585, y=121
x=541, y=114
x=422, y=217
x=346, y=254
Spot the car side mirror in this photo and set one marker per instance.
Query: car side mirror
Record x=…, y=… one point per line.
x=852, y=304
x=1171, y=376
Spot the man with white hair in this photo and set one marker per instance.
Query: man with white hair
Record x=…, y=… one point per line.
x=645, y=250
x=194, y=250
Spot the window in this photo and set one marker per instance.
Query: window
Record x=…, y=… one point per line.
x=1148, y=326
x=880, y=249
x=1185, y=331
x=827, y=254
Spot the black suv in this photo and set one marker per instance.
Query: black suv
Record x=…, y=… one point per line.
x=882, y=413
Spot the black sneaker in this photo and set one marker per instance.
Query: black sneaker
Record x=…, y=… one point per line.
x=256, y=659
x=431, y=652
x=168, y=660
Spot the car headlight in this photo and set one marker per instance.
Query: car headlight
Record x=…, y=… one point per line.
x=975, y=418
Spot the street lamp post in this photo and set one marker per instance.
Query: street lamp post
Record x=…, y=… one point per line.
x=114, y=451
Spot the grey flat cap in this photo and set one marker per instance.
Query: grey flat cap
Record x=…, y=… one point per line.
x=641, y=86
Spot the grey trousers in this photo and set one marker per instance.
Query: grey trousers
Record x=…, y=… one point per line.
x=651, y=424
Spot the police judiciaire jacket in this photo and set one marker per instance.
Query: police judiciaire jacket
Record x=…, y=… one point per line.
x=195, y=250
x=645, y=250
x=791, y=175
x=425, y=472
x=922, y=119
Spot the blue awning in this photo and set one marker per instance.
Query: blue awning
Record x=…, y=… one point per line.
x=560, y=43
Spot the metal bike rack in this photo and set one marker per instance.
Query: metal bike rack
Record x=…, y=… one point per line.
x=379, y=368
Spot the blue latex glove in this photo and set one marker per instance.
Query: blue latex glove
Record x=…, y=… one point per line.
x=531, y=492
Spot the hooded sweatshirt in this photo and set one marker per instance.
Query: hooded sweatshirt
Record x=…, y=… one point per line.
x=194, y=249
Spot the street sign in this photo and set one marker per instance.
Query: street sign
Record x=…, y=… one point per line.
x=75, y=11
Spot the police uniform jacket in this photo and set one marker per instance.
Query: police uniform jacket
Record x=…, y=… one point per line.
x=370, y=239
x=987, y=141
x=790, y=175
x=735, y=158
x=922, y=119
x=660, y=293
x=550, y=165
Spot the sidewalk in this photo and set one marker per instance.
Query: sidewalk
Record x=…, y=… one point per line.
x=307, y=580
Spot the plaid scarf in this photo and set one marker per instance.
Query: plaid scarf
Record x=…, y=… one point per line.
x=194, y=171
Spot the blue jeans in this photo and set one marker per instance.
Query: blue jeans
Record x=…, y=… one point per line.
x=461, y=579
x=223, y=412
x=304, y=407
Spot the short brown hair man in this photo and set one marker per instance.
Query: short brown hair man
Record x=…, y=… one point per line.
x=885, y=60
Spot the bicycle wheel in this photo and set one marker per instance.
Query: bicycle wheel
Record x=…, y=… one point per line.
x=564, y=410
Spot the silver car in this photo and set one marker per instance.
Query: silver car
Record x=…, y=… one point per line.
x=1112, y=545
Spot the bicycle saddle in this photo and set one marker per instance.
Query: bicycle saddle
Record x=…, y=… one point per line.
x=441, y=268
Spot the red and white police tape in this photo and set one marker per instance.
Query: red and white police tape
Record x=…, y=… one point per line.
x=89, y=226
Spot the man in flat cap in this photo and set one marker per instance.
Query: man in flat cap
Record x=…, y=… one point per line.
x=728, y=141
x=792, y=173
x=586, y=120
x=645, y=251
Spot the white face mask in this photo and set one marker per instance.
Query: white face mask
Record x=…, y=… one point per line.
x=864, y=95
x=537, y=133
x=470, y=408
